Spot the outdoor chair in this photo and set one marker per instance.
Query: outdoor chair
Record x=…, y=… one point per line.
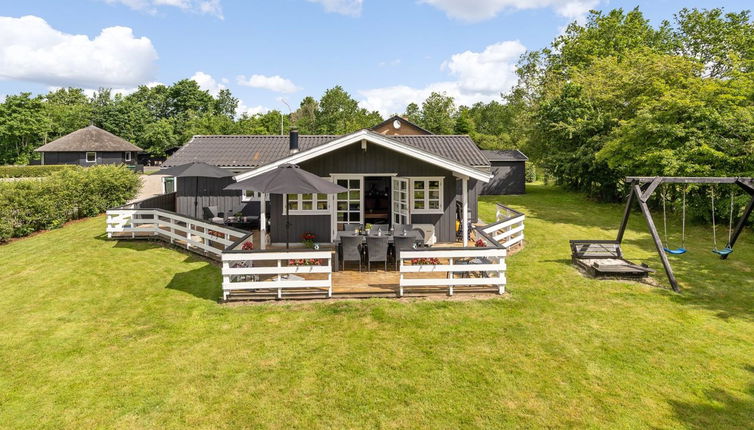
x=376, y=250
x=402, y=244
x=401, y=228
x=350, y=227
x=384, y=228
x=420, y=234
x=211, y=213
x=351, y=250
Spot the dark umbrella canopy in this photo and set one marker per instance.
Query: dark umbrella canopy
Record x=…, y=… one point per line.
x=288, y=179
x=197, y=169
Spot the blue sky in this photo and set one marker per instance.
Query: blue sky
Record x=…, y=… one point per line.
x=386, y=53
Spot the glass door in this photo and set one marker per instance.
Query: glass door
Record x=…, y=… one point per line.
x=400, y=201
x=348, y=204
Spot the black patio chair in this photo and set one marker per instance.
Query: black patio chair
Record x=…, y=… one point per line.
x=402, y=243
x=376, y=250
x=350, y=227
x=420, y=236
x=211, y=213
x=384, y=228
x=401, y=228
x=351, y=250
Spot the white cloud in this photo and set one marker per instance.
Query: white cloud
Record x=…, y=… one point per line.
x=343, y=7
x=250, y=110
x=479, y=76
x=275, y=83
x=479, y=10
x=208, y=83
x=204, y=7
x=31, y=50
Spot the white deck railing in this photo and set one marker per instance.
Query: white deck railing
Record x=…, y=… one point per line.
x=457, y=267
x=508, y=228
x=195, y=235
x=276, y=270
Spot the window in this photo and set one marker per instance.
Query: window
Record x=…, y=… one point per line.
x=248, y=196
x=91, y=157
x=426, y=195
x=307, y=204
x=128, y=156
x=168, y=185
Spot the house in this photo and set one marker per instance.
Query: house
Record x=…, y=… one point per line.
x=397, y=125
x=89, y=146
x=421, y=179
x=508, y=168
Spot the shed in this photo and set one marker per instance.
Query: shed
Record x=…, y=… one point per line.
x=89, y=146
x=508, y=167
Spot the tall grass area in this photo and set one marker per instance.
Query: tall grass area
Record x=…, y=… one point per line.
x=104, y=334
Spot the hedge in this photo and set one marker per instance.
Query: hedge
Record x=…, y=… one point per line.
x=31, y=171
x=32, y=205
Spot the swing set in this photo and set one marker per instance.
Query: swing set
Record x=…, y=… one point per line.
x=642, y=189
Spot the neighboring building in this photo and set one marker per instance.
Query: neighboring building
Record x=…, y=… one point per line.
x=89, y=146
x=407, y=179
x=399, y=126
x=508, y=167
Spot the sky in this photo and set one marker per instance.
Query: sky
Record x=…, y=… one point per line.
x=385, y=53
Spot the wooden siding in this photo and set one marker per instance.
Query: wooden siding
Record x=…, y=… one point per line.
x=509, y=178
x=376, y=159
x=79, y=158
x=211, y=193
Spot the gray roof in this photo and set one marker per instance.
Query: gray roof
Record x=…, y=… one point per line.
x=505, y=155
x=89, y=139
x=257, y=150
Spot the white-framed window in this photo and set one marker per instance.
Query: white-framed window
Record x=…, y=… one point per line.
x=307, y=204
x=128, y=156
x=426, y=195
x=249, y=196
x=169, y=184
x=91, y=157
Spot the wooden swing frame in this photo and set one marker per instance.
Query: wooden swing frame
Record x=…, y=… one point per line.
x=642, y=188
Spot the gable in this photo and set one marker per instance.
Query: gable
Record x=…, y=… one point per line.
x=399, y=126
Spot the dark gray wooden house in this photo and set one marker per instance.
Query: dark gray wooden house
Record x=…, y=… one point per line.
x=420, y=179
x=508, y=168
x=89, y=146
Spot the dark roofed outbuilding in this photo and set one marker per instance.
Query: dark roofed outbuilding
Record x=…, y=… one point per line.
x=509, y=169
x=89, y=146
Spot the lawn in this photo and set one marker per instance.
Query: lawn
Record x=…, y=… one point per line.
x=96, y=333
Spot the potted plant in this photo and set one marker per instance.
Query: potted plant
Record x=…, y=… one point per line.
x=308, y=239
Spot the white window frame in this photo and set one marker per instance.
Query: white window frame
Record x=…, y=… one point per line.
x=175, y=183
x=313, y=211
x=86, y=156
x=128, y=156
x=254, y=197
x=426, y=179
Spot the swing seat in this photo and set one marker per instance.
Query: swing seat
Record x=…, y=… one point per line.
x=677, y=251
x=724, y=251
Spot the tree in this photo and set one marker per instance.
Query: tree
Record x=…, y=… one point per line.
x=158, y=137
x=438, y=113
x=305, y=117
x=24, y=125
x=69, y=109
x=226, y=104
x=339, y=113
x=413, y=113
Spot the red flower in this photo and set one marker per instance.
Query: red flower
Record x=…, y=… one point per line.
x=247, y=246
x=480, y=243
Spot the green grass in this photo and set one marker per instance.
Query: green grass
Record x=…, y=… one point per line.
x=95, y=333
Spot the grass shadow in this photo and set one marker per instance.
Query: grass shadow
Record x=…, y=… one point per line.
x=204, y=282
x=724, y=410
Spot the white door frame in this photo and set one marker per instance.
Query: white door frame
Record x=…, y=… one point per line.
x=334, y=197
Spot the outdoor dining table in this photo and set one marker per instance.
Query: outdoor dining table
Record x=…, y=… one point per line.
x=390, y=239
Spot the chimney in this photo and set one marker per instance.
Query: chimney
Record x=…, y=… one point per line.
x=293, y=141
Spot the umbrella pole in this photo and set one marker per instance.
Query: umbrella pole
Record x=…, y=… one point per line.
x=196, y=199
x=287, y=224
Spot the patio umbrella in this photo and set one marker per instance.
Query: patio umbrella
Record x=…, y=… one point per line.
x=287, y=179
x=195, y=169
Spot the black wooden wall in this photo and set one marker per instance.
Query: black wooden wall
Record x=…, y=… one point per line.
x=509, y=178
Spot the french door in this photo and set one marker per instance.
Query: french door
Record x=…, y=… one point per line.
x=400, y=201
x=348, y=205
